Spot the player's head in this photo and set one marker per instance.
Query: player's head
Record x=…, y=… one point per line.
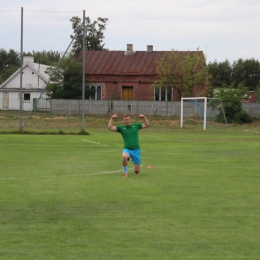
x=127, y=119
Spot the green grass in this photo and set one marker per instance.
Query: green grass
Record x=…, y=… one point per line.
x=64, y=197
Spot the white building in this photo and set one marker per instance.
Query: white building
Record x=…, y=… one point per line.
x=34, y=80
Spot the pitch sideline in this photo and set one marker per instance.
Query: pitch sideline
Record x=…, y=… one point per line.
x=66, y=175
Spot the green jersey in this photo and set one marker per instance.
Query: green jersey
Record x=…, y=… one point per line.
x=130, y=135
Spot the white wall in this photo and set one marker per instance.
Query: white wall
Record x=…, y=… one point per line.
x=30, y=81
x=14, y=101
x=31, y=84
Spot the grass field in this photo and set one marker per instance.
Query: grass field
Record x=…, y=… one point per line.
x=64, y=197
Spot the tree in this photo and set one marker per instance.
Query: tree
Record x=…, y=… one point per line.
x=9, y=63
x=246, y=72
x=221, y=74
x=185, y=71
x=94, y=34
x=7, y=72
x=8, y=59
x=45, y=57
x=66, y=81
x=231, y=100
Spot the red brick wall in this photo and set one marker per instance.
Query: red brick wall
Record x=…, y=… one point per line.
x=142, y=86
x=112, y=88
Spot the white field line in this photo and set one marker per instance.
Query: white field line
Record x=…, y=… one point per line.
x=66, y=175
x=57, y=145
x=54, y=145
x=93, y=142
x=90, y=141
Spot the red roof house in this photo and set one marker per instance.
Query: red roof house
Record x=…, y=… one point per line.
x=125, y=75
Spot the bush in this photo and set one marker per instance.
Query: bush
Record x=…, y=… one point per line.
x=234, y=112
x=242, y=117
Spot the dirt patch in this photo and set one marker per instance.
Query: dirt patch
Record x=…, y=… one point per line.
x=257, y=123
x=35, y=117
x=57, y=118
x=174, y=122
x=169, y=122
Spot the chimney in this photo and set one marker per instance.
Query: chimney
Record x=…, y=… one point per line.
x=28, y=59
x=129, y=49
x=149, y=48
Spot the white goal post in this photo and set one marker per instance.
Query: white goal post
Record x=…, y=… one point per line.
x=205, y=110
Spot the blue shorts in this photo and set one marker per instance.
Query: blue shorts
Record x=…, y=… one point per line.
x=135, y=155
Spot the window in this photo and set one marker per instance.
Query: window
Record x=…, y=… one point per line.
x=93, y=92
x=27, y=96
x=98, y=92
x=163, y=94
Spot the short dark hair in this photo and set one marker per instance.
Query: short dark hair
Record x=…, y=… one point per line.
x=126, y=115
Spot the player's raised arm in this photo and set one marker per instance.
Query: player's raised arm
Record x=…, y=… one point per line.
x=146, y=123
x=111, y=126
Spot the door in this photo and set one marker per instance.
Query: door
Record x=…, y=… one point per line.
x=5, y=104
x=128, y=93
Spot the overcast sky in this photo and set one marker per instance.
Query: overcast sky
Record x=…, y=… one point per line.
x=223, y=29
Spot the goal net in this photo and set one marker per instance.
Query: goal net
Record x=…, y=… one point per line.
x=204, y=111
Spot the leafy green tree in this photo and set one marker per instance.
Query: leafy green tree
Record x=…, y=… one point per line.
x=66, y=81
x=246, y=72
x=231, y=100
x=185, y=71
x=94, y=34
x=8, y=59
x=221, y=74
x=45, y=57
x=7, y=72
x=9, y=63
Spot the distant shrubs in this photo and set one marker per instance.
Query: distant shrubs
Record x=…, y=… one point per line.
x=233, y=109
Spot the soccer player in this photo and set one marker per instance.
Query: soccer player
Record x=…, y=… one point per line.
x=129, y=133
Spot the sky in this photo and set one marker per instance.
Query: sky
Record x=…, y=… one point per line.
x=223, y=29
